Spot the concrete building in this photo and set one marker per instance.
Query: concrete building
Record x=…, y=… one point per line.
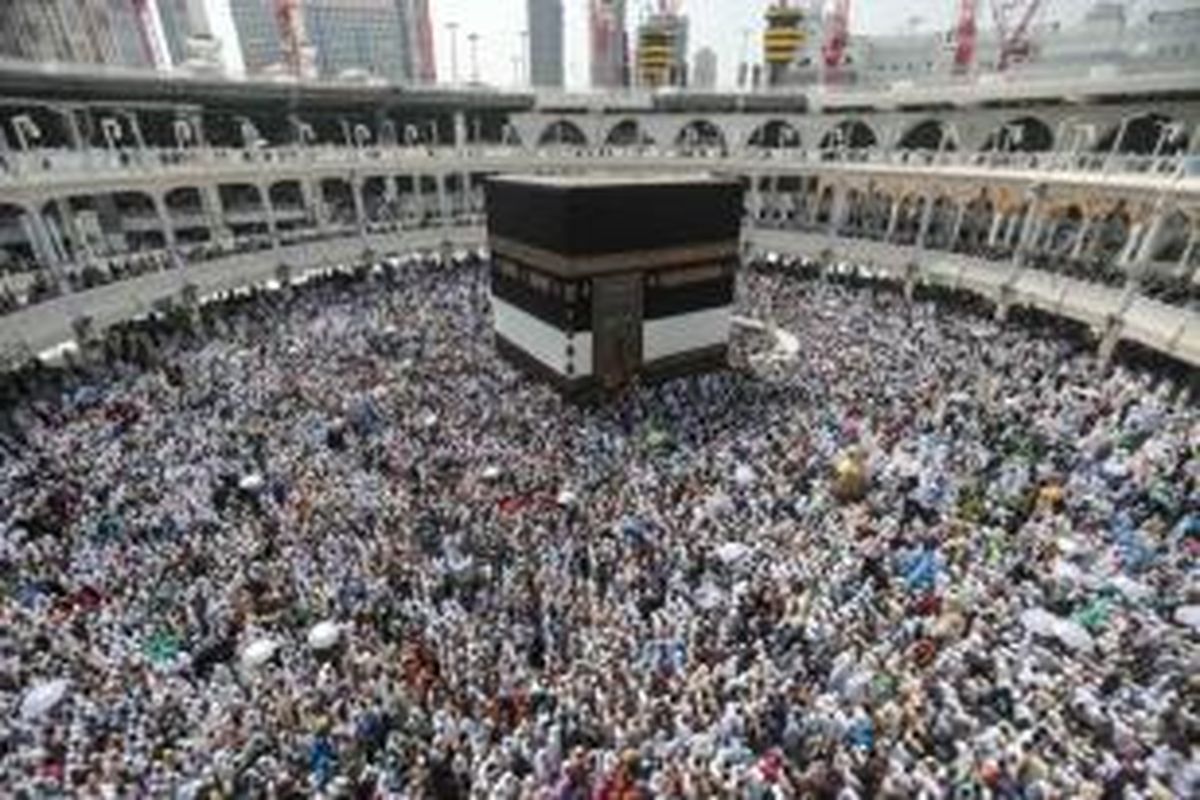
x=546, y=42
x=346, y=36
x=73, y=31
x=1164, y=36
x=704, y=68
x=609, y=44
x=423, y=60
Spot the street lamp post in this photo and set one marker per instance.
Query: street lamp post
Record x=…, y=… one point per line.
x=362, y=135
x=184, y=136
x=526, y=58
x=452, y=28
x=26, y=130
x=111, y=128
x=473, y=40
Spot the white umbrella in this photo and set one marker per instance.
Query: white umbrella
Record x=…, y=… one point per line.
x=259, y=652
x=324, y=635
x=429, y=420
x=491, y=473
x=709, y=597
x=1073, y=635
x=43, y=697
x=1188, y=615
x=1039, y=621
x=566, y=498
x=1133, y=590
x=731, y=552
x=252, y=482
x=743, y=475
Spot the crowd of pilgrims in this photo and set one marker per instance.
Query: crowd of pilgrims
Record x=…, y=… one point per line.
x=322, y=542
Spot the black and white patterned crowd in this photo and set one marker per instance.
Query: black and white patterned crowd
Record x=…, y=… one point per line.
x=322, y=542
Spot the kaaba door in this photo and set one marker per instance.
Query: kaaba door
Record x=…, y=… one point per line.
x=616, y=328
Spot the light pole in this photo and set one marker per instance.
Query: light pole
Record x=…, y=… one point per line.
x=183, y=134
x=249, y=131
x=452, y=28
x=387, y=133
x=526, y=58
x=362, y=135
x=26, y=130
x=473, y=40
x=111, y=128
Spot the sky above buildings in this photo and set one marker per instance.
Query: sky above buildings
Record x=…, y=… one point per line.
x=720, y=24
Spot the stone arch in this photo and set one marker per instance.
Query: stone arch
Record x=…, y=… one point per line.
x=288, y=205
x=338, y=196
x=852, y=210
x=185, y=210
x=774, y=134
x=1173, y=237
x=879, y=212
x=853, y=134
x=562, y=132
x=138, y=220
x=928, y=134
x=1063, y=225
x=1112, y=231
x=1026, y=134
x=628, y=133
x=978, y=216
x=16, y=250
x=942, y=218
x=1144, y=135
x=700, y=133
x=377, y=200
x=824, y=207
x=908, y=218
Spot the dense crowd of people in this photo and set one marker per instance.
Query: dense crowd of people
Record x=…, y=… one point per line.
x=322, y=541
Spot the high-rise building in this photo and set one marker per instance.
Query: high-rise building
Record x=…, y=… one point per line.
x=340, y=36
x=704, y=68
x=74, y=31
x=424, y=62
x=662, y=50
x=546, y=42
x=609, y=43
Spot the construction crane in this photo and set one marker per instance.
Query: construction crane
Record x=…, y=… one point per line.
x=289, y=16
x=144, y=12
x=1012, y=26
x=965, y=36
x=837, y=35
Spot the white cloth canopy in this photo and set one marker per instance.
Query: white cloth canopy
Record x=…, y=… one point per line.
x=252, y=482
x=1188, y=615
x=42, y=698
x=324, y=635
x=566, y=498
x=743, y=475
x=731, y=552
x=1041, y=622
x=259, y=652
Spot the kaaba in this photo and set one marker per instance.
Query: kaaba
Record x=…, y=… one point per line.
x=600, y=279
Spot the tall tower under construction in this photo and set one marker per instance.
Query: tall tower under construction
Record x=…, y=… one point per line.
x=662, y=48
x=783, y=40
